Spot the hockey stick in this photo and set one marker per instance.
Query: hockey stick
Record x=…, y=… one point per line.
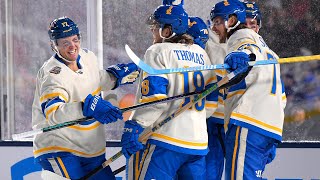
x=117, y=171
x=74, y=122
x=146, y=135
x=148, y=69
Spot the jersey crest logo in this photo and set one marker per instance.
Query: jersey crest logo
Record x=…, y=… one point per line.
x=55, y=70
x=191, y=23
x=169, y=10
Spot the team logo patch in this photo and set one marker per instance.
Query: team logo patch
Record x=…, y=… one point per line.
x=55, y=70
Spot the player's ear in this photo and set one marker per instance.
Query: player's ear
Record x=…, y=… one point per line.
x=232, y=21
x=166, y=31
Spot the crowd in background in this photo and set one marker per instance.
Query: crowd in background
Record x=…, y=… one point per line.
x=292, y=28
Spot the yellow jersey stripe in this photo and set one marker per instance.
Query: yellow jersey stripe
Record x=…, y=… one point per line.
x=63, y=168
x=154, y=98
x=50, y=111
x=178, y=140
x=88, y=128
x=256, y=122
x=235, y=93
x=58, y=148
x=212, y=79
x=235, y=153
x=213, y=105
x=97, y=91
x=52, y=95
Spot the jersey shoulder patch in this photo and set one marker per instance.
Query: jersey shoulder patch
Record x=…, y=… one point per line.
x=55, y=70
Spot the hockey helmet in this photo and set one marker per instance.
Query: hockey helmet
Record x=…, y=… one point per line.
x=252, y=11
x=198, y=30
x=229, y=7
x=62, y=27
x=172, y=15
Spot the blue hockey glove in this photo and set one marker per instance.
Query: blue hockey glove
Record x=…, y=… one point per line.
x=237, y=60
x=125, y=73
x=101, y=110
x=129, y=140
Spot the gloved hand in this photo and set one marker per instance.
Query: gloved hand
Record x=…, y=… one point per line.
x=101, y=110
x=237, y=60
x=129, y=140
x=125, y=73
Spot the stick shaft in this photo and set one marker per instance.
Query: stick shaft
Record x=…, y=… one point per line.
x=147, y=134
x=71, y=123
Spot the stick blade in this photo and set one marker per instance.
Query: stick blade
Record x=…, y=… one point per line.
x=138, y=61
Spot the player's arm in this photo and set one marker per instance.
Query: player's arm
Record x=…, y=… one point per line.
x=115, y=75
x=55, y=102
x=151, y=88
x=241, y=51
x=57, y=108
x=123, y=73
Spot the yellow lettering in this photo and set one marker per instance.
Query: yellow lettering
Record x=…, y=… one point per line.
x=64, y=24
x=250, y=6
x=145, y=87
x=192, y=23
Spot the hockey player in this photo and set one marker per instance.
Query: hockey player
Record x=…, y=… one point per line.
x=215, y=157
x=68, y=88
x=181, y=144
x=253, y=16
x=198, y=30
x=216, y=50
x=253, y=106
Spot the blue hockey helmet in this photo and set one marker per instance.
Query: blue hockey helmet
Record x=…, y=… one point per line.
x=228, y=7
x=198, y=30
x=252, y=11
x=172, y=15
x=62, y=27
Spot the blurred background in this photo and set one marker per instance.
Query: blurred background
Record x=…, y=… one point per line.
x=290, y=28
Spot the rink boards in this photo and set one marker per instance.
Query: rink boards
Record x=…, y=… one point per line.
x=293, y=161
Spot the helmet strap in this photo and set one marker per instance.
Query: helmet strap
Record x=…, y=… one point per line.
x=160, y=33
x=230, y=28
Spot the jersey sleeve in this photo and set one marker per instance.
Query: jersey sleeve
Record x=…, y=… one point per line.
x=54, y=102
x=151, y=88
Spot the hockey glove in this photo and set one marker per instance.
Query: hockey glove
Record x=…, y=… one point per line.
x=101, y=110
x=237, y=60
x=129, y=140
x=125, y=73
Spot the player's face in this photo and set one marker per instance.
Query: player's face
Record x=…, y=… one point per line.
x=156, y=35
x=69, y=47
x=252, y=24
x=219, y=28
